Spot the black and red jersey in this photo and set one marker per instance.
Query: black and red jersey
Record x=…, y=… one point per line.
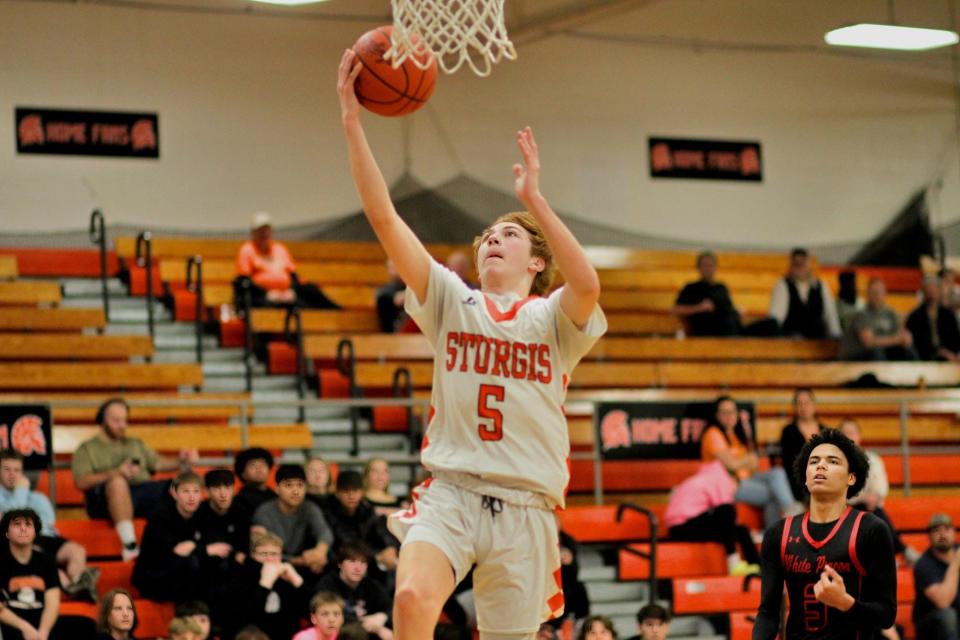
x=795, y=552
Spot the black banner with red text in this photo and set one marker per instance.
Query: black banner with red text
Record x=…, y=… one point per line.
x=87, y=133
x=658, y=430
x=27, y=429
x=705, y=159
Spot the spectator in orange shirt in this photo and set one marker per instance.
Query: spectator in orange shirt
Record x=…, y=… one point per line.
x=726, y=439
x=269, y=268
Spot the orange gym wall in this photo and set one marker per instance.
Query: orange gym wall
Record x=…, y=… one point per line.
x=249, y=119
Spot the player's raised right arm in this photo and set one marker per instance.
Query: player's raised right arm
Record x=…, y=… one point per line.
x=402, y=246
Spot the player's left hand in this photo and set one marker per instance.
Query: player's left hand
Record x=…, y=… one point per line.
x=831, y=591
x=527, y=184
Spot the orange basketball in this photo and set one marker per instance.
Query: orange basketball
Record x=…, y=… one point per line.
x=387, y=91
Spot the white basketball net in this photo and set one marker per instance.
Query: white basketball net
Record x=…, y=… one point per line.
x=452, y=31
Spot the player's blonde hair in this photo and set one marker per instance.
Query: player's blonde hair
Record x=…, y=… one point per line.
x=538, y=247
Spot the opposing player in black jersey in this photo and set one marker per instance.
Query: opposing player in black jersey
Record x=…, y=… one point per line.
x=837, y=563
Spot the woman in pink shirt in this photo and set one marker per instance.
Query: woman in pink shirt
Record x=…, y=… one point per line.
x=701, y=510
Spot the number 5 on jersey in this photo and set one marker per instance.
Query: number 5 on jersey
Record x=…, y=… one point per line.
x=493, y=430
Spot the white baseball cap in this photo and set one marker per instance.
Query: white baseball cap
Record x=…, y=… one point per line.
x=260, y=219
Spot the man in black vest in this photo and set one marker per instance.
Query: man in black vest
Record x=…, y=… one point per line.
x=836, y=562
x=802, y=304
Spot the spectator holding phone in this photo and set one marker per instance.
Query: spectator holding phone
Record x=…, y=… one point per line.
x=114, y=471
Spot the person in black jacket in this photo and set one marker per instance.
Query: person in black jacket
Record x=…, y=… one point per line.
x=173, y=551
x=797, y=432
x=353, y=518
x=253, y=467
x=936, y=335
x=705, y=306
x=220, y=517
x=366, y=601
x=265, y=591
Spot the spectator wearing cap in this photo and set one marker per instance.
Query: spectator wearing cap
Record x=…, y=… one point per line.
x=354, y=519
x=253, y=467
x=366, y=601
x=268, y=268
x=936, y=605
x=298, y=522
x=705, y=306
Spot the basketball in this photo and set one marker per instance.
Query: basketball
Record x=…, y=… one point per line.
x=381, y=88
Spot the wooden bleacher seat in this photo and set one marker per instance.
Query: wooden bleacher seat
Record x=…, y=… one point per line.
x=98, y=376
x=751, y=303
x=806, y=374
x=56, y=319
x=54, y=346
x=8, y=267
x=392, y=346
x=913, y=513
x=29, y=293
x=317, y=321
x=705, y=594
x=159, y=412
x=61, y=262
x=598, y=524
x=623, y=258
x=877, y=429
x=638, y=323
x=674, y=560
x=778, y=400
x=115, y=574
x=673, y=280
x=205, y=437
x=212, y=248
x=302, y=251
x=98, y=537
x=219, y=271
x=716, y=375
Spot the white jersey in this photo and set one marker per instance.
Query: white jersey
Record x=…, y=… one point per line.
x=499, y=381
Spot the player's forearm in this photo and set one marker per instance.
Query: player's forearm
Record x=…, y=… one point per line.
x=766, y=627
x=684, y=310
x=91, y=480
x=570, y=258
x=945, y=592
x=371, y=186
x=398, y=240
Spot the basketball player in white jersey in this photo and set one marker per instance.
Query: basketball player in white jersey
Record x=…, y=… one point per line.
x=497, y=441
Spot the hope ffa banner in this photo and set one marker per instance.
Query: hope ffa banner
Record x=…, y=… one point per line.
x=87, y=133
x=659, y=430
x=26, y=428
x=705, y=159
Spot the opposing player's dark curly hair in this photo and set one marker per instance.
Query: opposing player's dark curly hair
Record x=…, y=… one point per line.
x=857, y=460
